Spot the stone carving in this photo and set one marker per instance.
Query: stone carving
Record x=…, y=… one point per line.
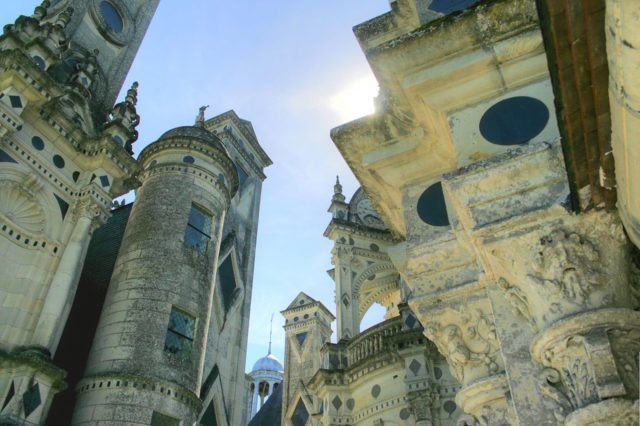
x=550, y=386
x=18, y=205
x=566, y=266
x=573, y=364
x=483, y=420
x=421, y=403
x=477, y=345
x=518, y=301
x=625, y=346
x=634, y=283
x=200, y=116
x=85, y=72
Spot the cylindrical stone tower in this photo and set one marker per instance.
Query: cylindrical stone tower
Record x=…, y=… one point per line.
x=146, y=360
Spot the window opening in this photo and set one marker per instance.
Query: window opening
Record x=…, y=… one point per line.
x=198, y=231
x=180, y=333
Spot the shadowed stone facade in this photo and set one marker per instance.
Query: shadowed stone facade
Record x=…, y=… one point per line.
x=497, y=222
x=172, y=273
x=533, y=306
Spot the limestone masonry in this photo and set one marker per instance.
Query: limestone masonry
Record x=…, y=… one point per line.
x=497, y=222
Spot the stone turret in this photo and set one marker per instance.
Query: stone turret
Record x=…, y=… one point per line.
x=147, y=360
x=307, y=329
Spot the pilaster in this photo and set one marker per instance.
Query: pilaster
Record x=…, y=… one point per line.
x=566, y=279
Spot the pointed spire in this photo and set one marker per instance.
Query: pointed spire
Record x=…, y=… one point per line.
x=337, y=188
x=200, y=116
x=270, y=332
x=337, y=191
x=132, y=94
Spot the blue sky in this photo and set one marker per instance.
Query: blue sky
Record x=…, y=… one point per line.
x=294, y=69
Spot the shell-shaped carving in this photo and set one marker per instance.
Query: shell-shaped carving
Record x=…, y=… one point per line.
x=19, y=206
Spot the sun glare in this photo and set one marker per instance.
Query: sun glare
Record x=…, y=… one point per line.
x=355, y=99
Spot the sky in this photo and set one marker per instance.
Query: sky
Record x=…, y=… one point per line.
x=295, y=70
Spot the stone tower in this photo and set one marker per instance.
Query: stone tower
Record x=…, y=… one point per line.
x=64, y=154
x=363, y=271
x=115, y=28
x=307, y=328
x=147, y=359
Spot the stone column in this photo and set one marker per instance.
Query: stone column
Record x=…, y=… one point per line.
x=622, y=31
x=63, y=286
x=577, y=286
x=573, y=332
x=347, y=301
x=464, y=332
x=256, y=398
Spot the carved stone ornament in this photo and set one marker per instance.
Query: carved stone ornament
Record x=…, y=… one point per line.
x=421, y=404
x=625, y=345
x=518, y=301
x=566, y=266
x=551, y=388
x=471, y=347
x=18, y=204
x=489, y=417
x=592, y=357
x=89, y=209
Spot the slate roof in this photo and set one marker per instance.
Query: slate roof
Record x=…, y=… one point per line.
x=271, y=412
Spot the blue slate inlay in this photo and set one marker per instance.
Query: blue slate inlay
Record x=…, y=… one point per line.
x=10, y=395
x=58, y=161
x=6, y=158
x=300, y=414
x=301, y=337
x=514, y=121
x=37, y=143
x=16, y=102
x=448, y=6
x=64, y=206
x=31, y=399
x=104, y=181
x=432, y=208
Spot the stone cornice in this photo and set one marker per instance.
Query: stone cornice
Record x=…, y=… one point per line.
x=307, y=306
x=501, y=19
x=179, y=142
x=118, y=380
x=354, y=228
x=231, y=115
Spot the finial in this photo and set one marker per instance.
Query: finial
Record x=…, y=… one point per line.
x=270, y=331
x=132, y=94
x=337, y=188
x=200, y=117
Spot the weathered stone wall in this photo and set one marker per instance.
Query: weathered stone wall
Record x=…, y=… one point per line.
x=156, y=271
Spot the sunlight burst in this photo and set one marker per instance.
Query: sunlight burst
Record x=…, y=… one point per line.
x=355, y=99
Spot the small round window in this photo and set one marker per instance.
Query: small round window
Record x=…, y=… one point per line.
x=111, y=16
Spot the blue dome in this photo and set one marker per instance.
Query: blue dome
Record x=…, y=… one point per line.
x=269, y=363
